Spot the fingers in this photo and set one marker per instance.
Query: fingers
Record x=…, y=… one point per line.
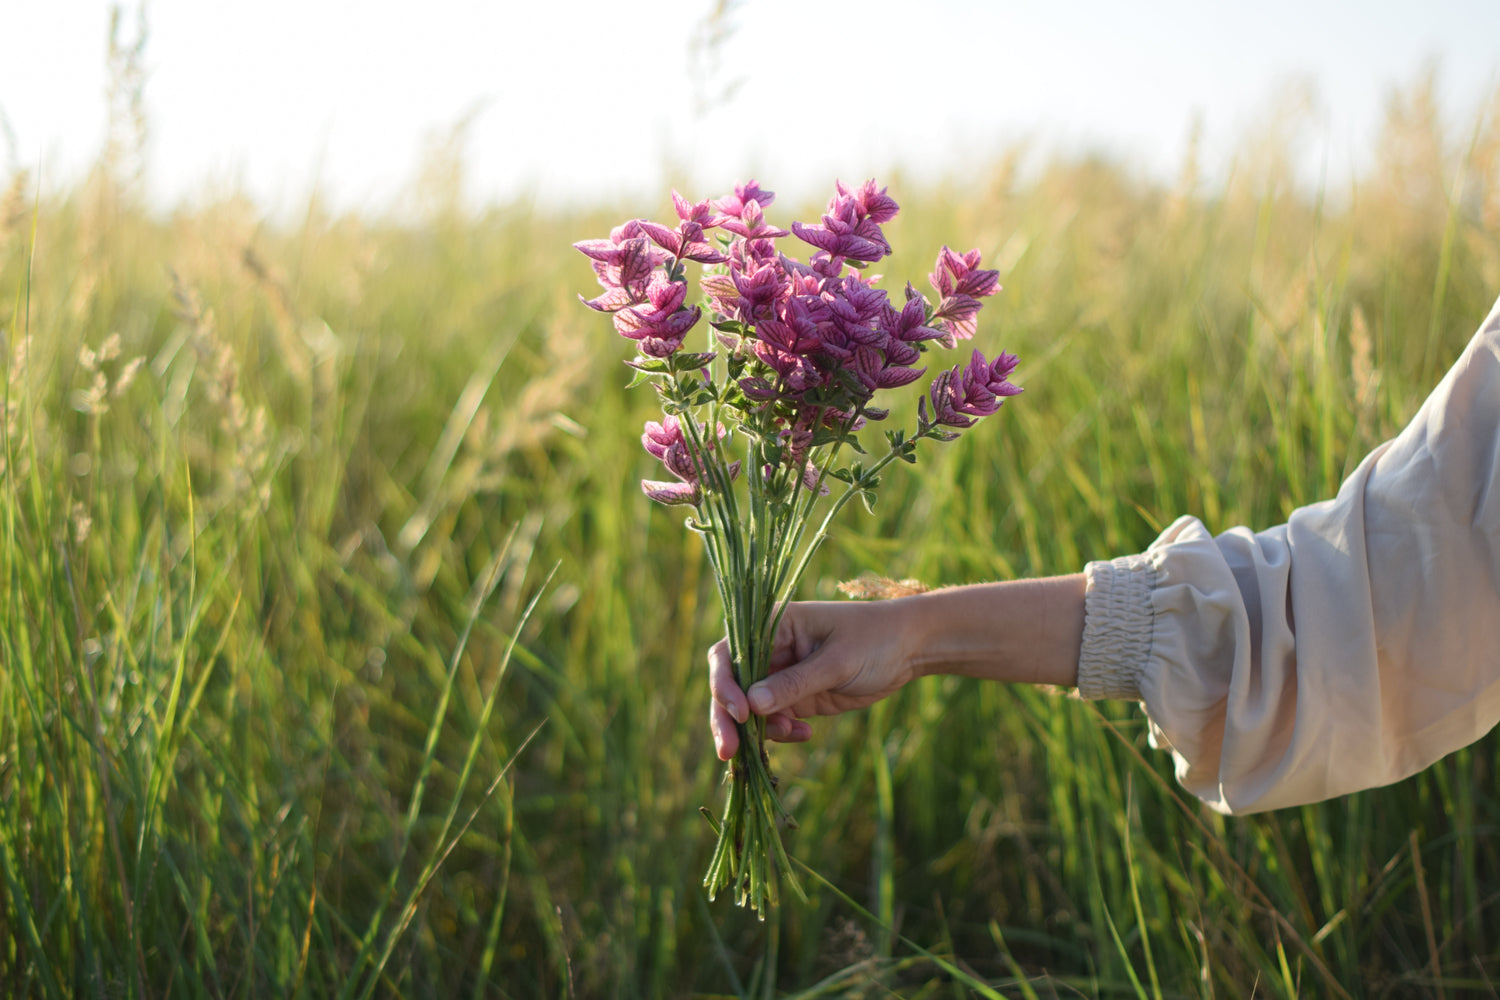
x=730, y=705
x=726, y=736
x=786, y=729
x=781, y=728
x=785, y=690
x=721, y=683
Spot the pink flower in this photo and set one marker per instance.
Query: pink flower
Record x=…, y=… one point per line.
x=686, y=242
x=993, y=377
x=850, y=228
x=957, y=275
x=978, y=390
x=811, y=480
x=797, y=371
x=661, y=436
x=959, y=316
x=671, y=494
x=910, y=324
x=665, y=441
x=744, y=194
x=751, y=224
x=700, y=212
x=623, y=264
x=882, y=373
x=855, y=308
x=961, y=284
x=877, y=205
x=758, y=291
x=661, y=325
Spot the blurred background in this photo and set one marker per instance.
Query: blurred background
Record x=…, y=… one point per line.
x=574, y=103
x=340, y=654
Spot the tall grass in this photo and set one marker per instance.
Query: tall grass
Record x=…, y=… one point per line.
x=341, y=655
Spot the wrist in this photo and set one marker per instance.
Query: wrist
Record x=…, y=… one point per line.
x=1019, y=631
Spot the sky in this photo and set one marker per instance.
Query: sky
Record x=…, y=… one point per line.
x=571, y=101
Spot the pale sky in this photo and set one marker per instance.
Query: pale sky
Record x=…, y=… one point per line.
x=569, y=100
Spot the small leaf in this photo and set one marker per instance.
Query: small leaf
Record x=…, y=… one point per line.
x=690, y=361
x=842, y=475
x=652, y=365
x=868, y=499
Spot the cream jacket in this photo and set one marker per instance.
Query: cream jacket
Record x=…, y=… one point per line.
x=1348, y=648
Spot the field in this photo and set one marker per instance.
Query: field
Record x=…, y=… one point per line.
x=341, y=656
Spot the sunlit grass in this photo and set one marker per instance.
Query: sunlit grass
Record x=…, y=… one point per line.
x=264, y=731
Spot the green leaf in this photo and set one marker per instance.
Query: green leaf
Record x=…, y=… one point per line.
x=652, y=365
x=691, y=361
x=733, y=396
x=867, y=497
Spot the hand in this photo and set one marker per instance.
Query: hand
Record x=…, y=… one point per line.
x=828, y=657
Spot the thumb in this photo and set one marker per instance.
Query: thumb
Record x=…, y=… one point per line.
x=784, y=689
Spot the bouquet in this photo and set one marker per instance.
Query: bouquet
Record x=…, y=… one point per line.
x=763, y=425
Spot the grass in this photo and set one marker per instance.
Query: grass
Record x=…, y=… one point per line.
x=341, y=655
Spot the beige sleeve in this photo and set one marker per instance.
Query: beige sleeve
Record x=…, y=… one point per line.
x=1348, y=648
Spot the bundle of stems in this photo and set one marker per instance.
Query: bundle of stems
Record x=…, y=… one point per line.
x=796, y=355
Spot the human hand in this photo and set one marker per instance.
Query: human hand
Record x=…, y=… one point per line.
x=828, y=657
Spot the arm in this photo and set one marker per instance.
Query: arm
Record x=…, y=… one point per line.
x=832, y=657
x=1348, y=648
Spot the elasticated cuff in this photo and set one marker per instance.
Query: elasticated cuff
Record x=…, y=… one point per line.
x=1116, y=628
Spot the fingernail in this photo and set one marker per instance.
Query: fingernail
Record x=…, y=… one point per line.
x=760, y=699
x=740, y=711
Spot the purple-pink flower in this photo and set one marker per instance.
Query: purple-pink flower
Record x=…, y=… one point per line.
x=623, y=264
x=686, y=242
x=659, y=324
x=666, y=442
x=734, y=204
x=751, y=224
x=976, y=390
x=671, y=494
x=960, y=282
x=851, y=225
x=958, y=274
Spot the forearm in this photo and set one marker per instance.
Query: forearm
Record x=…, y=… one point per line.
x=1020, y=631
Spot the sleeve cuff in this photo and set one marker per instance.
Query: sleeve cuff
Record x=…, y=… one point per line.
x=1116, y=628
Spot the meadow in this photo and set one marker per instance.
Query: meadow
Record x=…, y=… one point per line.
x=340, y=654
